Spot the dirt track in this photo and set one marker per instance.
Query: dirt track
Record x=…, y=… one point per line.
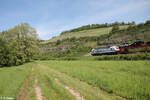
x=38, y=91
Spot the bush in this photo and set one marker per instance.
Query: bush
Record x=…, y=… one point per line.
x=69, y=58
x=138, y=56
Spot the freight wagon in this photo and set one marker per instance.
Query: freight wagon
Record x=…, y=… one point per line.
x=135, y=47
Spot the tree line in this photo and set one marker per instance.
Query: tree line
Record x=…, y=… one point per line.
x=18, y=45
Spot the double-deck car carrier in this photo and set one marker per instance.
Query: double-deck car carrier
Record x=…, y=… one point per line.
x=135, y=47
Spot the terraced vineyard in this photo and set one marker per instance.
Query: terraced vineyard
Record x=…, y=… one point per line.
x=85, y=33
x=77, y=80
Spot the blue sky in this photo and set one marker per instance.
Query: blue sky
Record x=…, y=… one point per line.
x=51, y=17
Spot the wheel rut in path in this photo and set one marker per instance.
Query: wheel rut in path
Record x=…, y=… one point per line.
x=38, y=91
x=71, y=90
x=35, y=88
x=117, y=96
x=22, y=95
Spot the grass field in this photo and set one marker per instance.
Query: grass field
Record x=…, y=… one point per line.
x=73, y=80
x=11, y=79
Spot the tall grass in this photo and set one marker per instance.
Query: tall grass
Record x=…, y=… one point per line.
x=129, y=79
x=11, y=79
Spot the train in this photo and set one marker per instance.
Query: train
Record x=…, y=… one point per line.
x=124, y=48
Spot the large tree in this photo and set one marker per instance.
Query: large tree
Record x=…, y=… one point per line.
x=20, y=43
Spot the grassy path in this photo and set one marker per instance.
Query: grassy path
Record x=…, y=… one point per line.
x=27, y=91
x=38, y=91
x=78, y=89
x=45, y=83
x=71, y=90
x=77, y=80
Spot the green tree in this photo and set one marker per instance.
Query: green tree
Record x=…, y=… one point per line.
x=115, y=29
x=147, y=22
x=18, y=45
x=58, y=42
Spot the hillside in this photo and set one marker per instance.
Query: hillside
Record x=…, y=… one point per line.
x=75, y=44
x=85, y=33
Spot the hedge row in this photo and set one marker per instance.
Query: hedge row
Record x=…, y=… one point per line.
x=140, y=56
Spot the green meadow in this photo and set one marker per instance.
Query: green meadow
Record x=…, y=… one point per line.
x=93, y=80
x=11, y=79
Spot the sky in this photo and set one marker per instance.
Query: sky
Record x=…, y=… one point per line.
x=51, y=17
